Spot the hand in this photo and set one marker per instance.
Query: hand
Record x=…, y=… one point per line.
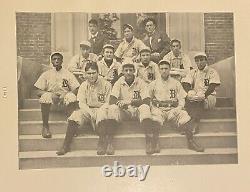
x=123, y=104
x=55, y=97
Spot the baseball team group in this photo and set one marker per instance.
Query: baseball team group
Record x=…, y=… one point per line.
x=149, y=80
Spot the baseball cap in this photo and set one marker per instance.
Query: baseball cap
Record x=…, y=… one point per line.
x=145, y=49
x=200, y=54
x=56, y=53
x=128, y=26
x=128, y=62
x=164, y=62
x=108, y=46
x=86, y=43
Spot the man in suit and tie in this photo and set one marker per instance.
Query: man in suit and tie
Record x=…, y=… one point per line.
x=97, y=38
x=158, y=41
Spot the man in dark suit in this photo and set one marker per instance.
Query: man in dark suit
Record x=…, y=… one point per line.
x=97, y=39
x=158, y=41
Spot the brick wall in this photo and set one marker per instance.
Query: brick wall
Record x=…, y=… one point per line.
x=219, y=36
x=34, y=36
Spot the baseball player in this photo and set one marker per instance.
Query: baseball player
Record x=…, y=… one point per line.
x=147, y=69
x=130, y=46
x=109, y=68
x=78, y=62
x=168, y=100
x=129, y=99
x=93, y=96
x=56, y=86
x=201, y=84
x=180, y=62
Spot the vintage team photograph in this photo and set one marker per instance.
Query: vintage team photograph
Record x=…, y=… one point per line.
x=129, y=90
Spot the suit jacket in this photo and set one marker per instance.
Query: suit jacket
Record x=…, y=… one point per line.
x=160, y=43
x=98, y=42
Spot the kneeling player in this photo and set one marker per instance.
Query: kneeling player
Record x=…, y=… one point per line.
x=56, y=86
x=93, y=96
x=168, y=100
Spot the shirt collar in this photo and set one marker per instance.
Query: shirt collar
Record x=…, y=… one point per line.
x=95, y=35
x=124, y=83
x=133, y=39
x=149, y=65
x=179, y=56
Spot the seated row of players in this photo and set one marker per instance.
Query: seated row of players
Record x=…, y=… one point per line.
x=152, y=98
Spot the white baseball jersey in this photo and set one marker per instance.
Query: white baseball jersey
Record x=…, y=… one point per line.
x=108, y=72
x=167, y=90
x=121, y=90
x=57, y=81
x=200, y=80
x=149, y=73
x=94, y=95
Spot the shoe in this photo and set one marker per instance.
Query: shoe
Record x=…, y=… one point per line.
x=46, y=132
x=157, y=148
x=110, y=149
x=195, y=146
x=101, y=146
x=149, y=147
x=62, y=151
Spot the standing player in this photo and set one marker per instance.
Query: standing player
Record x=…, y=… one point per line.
x=56, y=86
x=93, y=96
x=147, y=69
x=200, y=84
x=109, y=68
x=180, y=62
x=130, y=46
x=168, y=100
x=129, y=99
x=78, y=62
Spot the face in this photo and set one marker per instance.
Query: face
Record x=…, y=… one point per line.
x=56, y=61
x=128, y=33
x=201, y=62
x=150, y=27
x=145, y=57
x=91, y=75
x=108, y=53
x=164, y=71
x=93, y=28
x=175, y=47
x=128, y=72
x=85, y=50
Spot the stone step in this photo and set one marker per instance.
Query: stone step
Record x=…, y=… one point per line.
x=88, y=158
x=34, y=103
x=35, y=114
x=130, y=127
x=128, y=141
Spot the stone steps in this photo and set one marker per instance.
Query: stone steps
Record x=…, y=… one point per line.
x=35, y=114
x=59, y=127
x=88, y=158
x=125, y=141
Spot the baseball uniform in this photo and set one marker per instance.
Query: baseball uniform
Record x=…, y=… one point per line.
x=168, y=90
x=200, y=81
x=93, y=99
x=61, y=82
x=122, y=91
x=149, y=73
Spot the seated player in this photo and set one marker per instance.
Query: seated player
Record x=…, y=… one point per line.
x=180, y=62
x=168, y=100
x=147, y=69
x=93, y=96
x=129, y=100
x=56, y=86
x=130, y=46
x=78, y=62
x=200, y=84
x=109, y=68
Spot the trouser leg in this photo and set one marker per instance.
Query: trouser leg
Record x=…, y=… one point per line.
x=45, y=109
x=72, y=126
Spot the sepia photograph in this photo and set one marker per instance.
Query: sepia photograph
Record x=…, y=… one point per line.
x=129, y=90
